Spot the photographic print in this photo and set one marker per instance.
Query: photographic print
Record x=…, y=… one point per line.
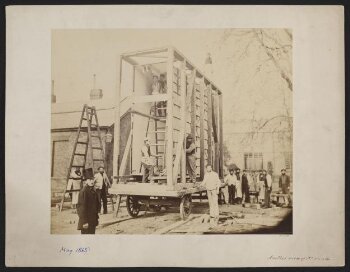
x=172, y=131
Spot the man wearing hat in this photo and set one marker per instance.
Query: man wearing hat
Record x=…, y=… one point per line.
x=88, y=206
x=231, y=182
x=268, y=188
x=284, y=185
x=147, y=162
x=191, y=158
x=102, y=184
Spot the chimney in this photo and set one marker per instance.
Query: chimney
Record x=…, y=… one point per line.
x=208, y=65
x=95, y=93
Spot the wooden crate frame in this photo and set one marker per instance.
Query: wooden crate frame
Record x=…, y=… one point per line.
x=208, y=91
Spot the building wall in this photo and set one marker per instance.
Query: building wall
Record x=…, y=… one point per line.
x=62, y=144
x=275, y=151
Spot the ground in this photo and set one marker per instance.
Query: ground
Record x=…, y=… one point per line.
x=233, y=219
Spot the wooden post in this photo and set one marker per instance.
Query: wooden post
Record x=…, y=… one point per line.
x=116, y=141
x=201, y=87
x=221, y=139
x=193, y=107
x=216, y=144
x=169, y=121
x=210, y=121
x=183, y=86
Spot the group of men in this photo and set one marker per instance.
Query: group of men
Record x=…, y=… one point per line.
x=237, y=187
x=88, y=200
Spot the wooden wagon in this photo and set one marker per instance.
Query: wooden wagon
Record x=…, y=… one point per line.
x=187, y=103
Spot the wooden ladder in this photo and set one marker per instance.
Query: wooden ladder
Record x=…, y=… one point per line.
x=158, y=119
x=89, y=116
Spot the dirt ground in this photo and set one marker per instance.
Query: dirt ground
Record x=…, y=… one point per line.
x=233, y=219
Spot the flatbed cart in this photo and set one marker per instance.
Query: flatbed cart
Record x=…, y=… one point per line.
x=154, y=197
x=163, y=97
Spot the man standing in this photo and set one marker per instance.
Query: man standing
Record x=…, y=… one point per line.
x=212, y=183
x=163, y=89
x=238, y=186
x=155, y=85
x=284, y=185
x=87, y=208
x=102, y=184
x=191, y=158
x=261, y=187
x=74, y=183
x=268, y=188
x=231, y=182
x=245, y=187
x=147, y=162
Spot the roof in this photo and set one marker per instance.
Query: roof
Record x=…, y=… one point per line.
x=67, y=115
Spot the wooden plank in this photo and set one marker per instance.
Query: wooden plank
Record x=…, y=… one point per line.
x=175, y=225
x=160, y=119
x=125, y=156
x=169, y=123
x=221, y=144
x=150, y=98
x=193, y=108
x=130, y=61
x=116, y=141
x=202, y=131
x=149, y=51
x=181, y=136
x=148, y=189
x=210, y=154
x=183, y=123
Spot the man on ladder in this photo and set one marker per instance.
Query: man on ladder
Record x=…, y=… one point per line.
x=147, y=162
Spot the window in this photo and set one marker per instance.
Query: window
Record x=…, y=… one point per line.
x=253, y=161
x=60, y=158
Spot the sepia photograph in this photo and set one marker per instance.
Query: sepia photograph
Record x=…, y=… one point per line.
x=198, y=133
x=172, y=131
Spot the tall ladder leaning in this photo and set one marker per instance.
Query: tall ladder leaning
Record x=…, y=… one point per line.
x=88, y=115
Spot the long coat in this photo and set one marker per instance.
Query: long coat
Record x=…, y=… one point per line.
x=238, y=188
x=284, y=184
x=87, y=207
x=245, y=184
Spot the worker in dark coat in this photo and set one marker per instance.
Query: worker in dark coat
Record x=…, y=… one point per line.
x=284, y=182
x=284, y=185
x=87, y=208
x=245, y=187
x=191, y=158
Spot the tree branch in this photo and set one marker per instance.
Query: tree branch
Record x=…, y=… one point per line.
x=267, y=51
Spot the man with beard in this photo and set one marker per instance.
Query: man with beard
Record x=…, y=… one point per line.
x=88, y=207
x=284, y=185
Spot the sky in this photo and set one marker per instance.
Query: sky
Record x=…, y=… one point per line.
x=251, y=83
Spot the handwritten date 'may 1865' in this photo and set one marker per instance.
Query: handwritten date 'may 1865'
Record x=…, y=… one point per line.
x=78, y=250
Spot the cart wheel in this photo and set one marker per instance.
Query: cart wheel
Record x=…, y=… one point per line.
x=185, y=207
x=132, y=205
